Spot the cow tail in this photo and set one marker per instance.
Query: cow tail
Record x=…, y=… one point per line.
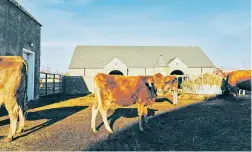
x=25, y=108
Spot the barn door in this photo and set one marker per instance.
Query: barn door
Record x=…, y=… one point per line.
x=29, y=56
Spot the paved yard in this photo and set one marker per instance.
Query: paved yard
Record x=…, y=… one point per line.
x=63, y=123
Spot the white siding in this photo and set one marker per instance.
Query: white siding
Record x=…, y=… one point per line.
x=194, y=71
x=93, y=72
x=136, y=71
x=76, y=72
x=149, y=71
x=205, y=70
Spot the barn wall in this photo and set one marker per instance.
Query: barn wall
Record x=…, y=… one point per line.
x=16, y=31
x=76, y=72
x=93, y=72
x=136, y=71
x=207, y=70
x=149, y=71
x=194, y=71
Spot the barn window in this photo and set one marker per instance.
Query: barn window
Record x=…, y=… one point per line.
x=115, y=72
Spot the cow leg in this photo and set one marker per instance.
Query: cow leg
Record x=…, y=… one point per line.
x=104, y=111
x=13, y=113
x=145, y=117
x=237, y=95
x=94, y=114
x=21, y=121
x=95, y=109
x=145, y=111
x=140, y=108
x=174, y=95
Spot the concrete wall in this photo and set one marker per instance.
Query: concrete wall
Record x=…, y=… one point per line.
x=16, y=31
x=75, y=85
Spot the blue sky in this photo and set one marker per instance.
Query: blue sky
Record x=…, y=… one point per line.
x=222, y=28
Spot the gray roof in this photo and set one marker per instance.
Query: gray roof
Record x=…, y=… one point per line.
x=24, y=10
x=137, y=56
x=161, y=62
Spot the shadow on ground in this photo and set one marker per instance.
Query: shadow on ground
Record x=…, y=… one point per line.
x=219, y=124
x=43, y=101
x=125, y=113
x=52, y=116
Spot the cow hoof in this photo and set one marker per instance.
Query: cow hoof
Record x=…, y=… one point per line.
x=7, y=139
x=110, y=132
x=141, y=129
x=19, y=132
x=94, y=130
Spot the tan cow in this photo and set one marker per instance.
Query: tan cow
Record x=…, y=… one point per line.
x=123, y=91
x=13, y=84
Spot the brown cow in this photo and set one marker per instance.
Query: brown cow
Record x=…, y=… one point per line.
x=236, y=80
x=123, y=91
x=171, y=85
x=13, y=83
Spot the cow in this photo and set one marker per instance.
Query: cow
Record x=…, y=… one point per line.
x=171, y=85
x=124, y=91
x=13, y=86
x=236, y=80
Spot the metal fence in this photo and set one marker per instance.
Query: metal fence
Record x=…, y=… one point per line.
x=50, y=83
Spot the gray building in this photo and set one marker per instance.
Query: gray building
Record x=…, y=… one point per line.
x=87, y=61
x=20, y=36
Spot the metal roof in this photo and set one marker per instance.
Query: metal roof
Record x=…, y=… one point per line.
x=137, y=56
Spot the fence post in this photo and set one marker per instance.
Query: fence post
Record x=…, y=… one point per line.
x=46, y=83
x=53, y=83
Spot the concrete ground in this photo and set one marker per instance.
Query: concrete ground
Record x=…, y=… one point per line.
x=63, y=123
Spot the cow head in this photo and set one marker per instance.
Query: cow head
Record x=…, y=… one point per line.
x=170, y=83
x=158, y=81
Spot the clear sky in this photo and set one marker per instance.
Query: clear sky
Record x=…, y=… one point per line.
x=222, y=28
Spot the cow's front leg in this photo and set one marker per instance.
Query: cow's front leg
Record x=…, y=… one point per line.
x=174, y=95
x=140, y=109
x=146, y=117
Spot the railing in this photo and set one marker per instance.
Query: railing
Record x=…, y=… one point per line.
x=50, y=83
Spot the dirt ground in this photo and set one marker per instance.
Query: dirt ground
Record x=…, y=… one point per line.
x=62, y=123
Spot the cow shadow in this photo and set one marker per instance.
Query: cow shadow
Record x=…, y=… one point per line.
x=43, y=101
x=198, y=127
x=163, y=99
x=51, y=99
x=125, y=113
x=52, y=116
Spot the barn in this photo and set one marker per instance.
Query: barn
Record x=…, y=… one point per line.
x=20, y=36
x=87, y=61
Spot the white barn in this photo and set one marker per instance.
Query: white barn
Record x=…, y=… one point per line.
x=87, y=61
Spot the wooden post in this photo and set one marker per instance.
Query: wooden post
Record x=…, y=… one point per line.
x=53, y=83
x=46, y=84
